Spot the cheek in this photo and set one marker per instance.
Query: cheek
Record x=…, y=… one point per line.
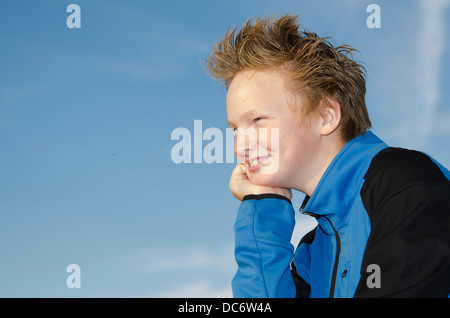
x=291, y=153
x=283, y=145
x=269, y=139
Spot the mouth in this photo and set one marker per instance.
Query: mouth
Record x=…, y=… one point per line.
x=256, y=163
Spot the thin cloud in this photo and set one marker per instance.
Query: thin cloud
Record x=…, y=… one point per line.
x=166, y=58
x=144, y=70
x=197, y=269
x=194, y=258
x=199, y=289
x=186, y=43
x=431, y=50
x=24, y=93
x=415, y=81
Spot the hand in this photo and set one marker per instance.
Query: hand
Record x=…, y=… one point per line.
x=240, y=185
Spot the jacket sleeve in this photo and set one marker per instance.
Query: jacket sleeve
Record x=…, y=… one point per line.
x=410, y=243
x=263, y=251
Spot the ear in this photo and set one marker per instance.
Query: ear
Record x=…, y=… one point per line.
x=330, y=112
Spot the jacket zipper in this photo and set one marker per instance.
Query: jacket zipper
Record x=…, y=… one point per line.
x=336, y=260
x=338, y=251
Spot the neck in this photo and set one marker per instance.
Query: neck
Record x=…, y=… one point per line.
x=330, y=147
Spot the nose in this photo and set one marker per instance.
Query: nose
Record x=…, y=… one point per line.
x=245, y=142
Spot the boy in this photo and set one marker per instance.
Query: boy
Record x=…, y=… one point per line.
x=383, y=213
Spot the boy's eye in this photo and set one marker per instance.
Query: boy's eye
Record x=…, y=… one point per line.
x=258, y=119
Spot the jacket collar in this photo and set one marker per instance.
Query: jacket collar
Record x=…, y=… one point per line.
x=342, y=180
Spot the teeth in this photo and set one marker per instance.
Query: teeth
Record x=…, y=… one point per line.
x=253, y=163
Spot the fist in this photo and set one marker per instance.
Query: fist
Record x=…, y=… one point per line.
x=241, y=185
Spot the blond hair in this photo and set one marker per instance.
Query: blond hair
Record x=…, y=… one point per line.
x=314, y=69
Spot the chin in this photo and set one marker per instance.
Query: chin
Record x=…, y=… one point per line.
x=268, y=180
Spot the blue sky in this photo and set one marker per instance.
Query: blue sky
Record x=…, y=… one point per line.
x=86, y=117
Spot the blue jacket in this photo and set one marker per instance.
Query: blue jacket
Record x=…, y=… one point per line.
x=383, y=230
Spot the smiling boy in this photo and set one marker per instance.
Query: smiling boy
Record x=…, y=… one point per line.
x=376, y=206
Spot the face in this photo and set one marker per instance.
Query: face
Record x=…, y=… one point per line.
x=284, y=149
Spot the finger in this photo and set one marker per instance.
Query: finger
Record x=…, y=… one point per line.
x=244, y=170
x=240, y=171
